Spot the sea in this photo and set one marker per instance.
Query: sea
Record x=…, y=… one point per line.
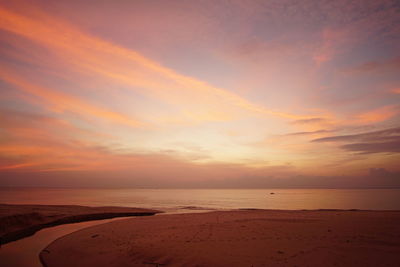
x=197, y=200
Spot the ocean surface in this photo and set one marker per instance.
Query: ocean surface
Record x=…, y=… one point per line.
x=192, y=200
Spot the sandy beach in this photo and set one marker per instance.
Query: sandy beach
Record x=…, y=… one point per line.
x=236, y=238
x=18, y=221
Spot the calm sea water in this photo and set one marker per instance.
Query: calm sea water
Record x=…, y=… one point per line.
x=184, y=200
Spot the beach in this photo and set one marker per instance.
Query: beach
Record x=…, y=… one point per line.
x=18, y=221
x=236, y=238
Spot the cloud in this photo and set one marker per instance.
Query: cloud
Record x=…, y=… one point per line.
x=379, y=172
x=354, y=23
x=388, y=134
x=384, y=141
x=61, y=102
x=379, y=147
x=32, y=143
x=315, y=124
x=333, y=42
x=377, y=115
x=92, y=55
x=388, y=65
x=36, y=142
x=308, y=133
x=230, y=177
x=310, y=121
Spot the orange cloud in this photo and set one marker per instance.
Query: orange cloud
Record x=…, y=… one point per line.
x=60, y=101
x=377, y=115
x=329, y=46
x=129, y=67
x=16, y=166
x=396, y=91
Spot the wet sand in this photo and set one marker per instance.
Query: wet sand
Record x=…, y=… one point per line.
x=18, y=221
x=236, y=238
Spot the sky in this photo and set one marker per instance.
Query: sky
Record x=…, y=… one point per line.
x=274, y=93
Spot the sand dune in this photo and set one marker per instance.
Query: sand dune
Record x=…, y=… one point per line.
x=18, y=221
x=236, y=238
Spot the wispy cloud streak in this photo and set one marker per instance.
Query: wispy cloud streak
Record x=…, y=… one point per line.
x=371, y=142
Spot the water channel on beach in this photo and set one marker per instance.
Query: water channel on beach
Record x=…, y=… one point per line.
x=25, y=252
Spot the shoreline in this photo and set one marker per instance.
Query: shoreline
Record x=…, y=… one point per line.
x=20, y=221
x=236, y=238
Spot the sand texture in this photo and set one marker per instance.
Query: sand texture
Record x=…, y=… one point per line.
x=18, y=221
x=236, y=238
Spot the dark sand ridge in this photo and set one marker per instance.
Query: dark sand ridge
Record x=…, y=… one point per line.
x=18, y=221
x=236, y=238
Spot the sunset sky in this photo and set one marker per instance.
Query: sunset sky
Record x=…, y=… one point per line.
x=200, y=93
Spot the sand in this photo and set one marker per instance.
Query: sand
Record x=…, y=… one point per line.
x=236, y=238
x=18, y=221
